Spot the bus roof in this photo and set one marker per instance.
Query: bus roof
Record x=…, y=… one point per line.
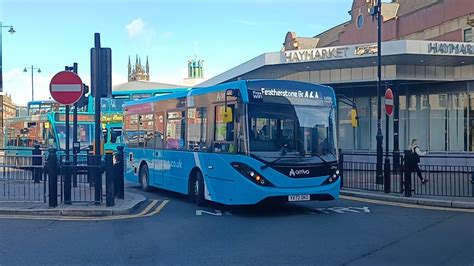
x=42, y=102
x=160, y=90
x=242, y=85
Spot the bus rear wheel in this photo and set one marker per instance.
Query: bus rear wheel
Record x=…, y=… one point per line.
x=144, y=178
x=196, y=193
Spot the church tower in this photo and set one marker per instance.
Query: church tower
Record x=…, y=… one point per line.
x=138, y=72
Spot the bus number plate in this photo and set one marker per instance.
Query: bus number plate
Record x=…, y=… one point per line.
x=298, y=197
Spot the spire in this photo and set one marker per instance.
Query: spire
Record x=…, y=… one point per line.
x=147, y=66
x=129, y=67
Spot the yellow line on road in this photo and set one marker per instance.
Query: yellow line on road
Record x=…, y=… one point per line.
x=158, y=209
x=406, y=205
x=143, y=213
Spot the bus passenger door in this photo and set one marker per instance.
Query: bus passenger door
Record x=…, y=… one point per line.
x=158, y=152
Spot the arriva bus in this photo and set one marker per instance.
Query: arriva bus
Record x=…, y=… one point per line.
x=112, y=112
x=47, y=130
x=237, y=143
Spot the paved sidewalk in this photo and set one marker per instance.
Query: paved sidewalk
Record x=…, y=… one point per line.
x=450, y=202
x=122, y=207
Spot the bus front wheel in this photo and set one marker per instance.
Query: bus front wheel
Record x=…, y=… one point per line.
x=144, y=178
x=197, y=189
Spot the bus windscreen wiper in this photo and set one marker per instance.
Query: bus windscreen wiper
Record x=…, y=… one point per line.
x=283, y=152
x=321, y=158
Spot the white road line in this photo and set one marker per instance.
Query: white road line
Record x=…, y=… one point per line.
x=405, y=205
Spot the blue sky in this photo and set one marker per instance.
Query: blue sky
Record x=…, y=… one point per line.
x=225, y=33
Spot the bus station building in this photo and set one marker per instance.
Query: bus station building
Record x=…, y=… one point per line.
x=427, y=60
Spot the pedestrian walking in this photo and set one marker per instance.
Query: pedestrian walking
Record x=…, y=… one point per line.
x=414, y=159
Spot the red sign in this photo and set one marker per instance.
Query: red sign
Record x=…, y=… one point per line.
x=66, y=87
x=389, y=102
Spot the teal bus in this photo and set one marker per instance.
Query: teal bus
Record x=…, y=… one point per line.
x=112, y=112
x=237, y=143
x=48, y=130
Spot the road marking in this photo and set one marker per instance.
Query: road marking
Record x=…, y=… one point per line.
x=406, y=205
x=215, y=213
x=158, y=209
x=312, y=211
x=143, y=213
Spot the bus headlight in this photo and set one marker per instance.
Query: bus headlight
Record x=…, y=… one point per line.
x=331, y=179
x=251, y=174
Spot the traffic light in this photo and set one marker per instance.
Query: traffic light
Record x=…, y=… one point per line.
x=372, y=6
x=83, y=101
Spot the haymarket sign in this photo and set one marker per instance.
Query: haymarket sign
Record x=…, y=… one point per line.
x=450, y=48
x=315, y=54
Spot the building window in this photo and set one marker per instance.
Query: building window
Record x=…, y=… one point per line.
x=468, y=35
x=360, y=21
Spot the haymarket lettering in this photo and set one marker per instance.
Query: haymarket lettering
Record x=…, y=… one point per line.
x=450, y=48
x=315, y=54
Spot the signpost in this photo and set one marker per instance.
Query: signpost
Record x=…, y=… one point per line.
x=389, y=112
x=66, y=88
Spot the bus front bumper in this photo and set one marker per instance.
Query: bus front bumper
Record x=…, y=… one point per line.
x=253, y=194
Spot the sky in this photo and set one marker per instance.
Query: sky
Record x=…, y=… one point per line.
x=51, y=34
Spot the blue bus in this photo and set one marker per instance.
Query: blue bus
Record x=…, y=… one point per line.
x=237, y=143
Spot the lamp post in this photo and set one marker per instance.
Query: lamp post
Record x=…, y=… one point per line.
x=375, y=10
x=32, y=86
x=11, y=31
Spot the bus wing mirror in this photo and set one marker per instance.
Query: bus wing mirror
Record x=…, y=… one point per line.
x=354, y=118
x=227, y=116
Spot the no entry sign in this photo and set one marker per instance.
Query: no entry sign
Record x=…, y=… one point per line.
x=389, y=102
x=66, y=87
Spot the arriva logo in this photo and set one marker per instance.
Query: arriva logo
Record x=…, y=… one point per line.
x=299, y=172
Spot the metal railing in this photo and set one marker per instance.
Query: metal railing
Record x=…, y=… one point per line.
x=448, y=176
x=22, y=178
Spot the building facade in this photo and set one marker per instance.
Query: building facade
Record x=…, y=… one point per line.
x=195, y=72
x=427, y=60
x=8, y=109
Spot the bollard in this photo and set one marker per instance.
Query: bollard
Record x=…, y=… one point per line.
x=341, y=167
x=109, y=179
x=53, y=177
x=90, y=163
x=67, y=181
x=407, y=176
x=121, y=172
x=387, y=185
x=37, y=162
x=97, y=170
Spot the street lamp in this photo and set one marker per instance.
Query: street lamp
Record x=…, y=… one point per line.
x=11, y=31
x=32, y=87
x=375, y=10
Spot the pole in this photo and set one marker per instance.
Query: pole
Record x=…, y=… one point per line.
x=97, y=131
x=74, y=135
x=379, y=137
x=32, y=86
x=1, y=86
x=387, y=160
x=396, y=127
x=67, y=172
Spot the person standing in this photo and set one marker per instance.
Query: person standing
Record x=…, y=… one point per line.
x=412, y=162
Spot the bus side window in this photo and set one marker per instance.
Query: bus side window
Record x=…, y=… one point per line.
x=223, y=132
x=175, y=130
